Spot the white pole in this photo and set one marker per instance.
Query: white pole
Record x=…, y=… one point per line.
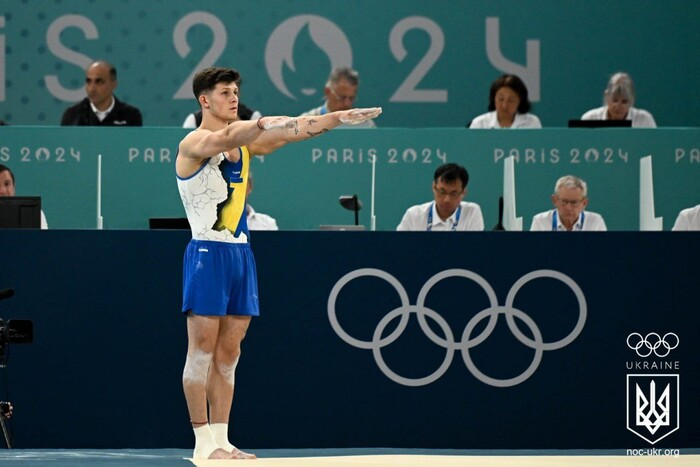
x=510, y=222
x=99, y=192
x=373, y=218
x=647, y=218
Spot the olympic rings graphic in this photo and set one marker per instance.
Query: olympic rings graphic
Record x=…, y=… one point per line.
x=448, y=341
x=651, y=343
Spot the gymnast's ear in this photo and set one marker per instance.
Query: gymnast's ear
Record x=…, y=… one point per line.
x=203, y=100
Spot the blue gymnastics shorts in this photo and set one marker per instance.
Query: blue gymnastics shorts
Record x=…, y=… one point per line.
x=219, y=279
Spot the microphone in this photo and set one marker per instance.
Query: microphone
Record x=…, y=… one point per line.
x=6, y=293
x=499, y=226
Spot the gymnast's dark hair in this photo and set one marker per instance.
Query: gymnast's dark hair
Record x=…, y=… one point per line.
x=207, y=79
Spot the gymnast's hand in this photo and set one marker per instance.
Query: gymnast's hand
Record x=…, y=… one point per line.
x=355, y=116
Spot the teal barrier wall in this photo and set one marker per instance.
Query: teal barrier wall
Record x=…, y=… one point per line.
x=300, y=184
x=427, y=63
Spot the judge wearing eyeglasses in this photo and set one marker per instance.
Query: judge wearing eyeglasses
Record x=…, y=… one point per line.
x=570, y=199
x=341, y=93
x=448, y=212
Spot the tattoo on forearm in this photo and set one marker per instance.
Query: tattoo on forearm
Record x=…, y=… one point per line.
x=316, y=133
x=296, y=126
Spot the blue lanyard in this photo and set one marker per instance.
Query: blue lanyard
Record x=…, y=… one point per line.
x=554, y=220
x=430, y=218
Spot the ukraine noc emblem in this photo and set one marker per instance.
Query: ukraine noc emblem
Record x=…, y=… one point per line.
x=653, y=406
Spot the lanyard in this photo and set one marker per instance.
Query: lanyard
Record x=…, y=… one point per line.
x=430, y=218
x=554, y=220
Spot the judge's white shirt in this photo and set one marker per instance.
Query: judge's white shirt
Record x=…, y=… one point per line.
x=688, y=219
x=425, y=217
x=259, y=221
x=549, y=221
x=490, y=120
x=640, y=118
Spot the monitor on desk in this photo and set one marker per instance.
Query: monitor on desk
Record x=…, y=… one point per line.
x=577, y=123
x=20, y=212
x=168, y=223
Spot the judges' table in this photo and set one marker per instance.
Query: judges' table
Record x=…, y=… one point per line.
x=300, y=184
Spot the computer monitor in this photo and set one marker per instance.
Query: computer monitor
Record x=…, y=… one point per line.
x=20, y=212
x=168, y=223
x=576, y=123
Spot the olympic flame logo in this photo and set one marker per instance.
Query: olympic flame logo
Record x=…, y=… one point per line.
x=447, y=340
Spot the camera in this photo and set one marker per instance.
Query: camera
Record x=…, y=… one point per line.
x=5, y=409
x=14, y=331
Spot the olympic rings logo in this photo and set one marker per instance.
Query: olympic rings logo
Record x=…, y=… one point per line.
x=448, y=341
x=652, y=343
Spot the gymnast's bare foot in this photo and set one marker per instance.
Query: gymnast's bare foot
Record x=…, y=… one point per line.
x=220, y=454
x=238, y=454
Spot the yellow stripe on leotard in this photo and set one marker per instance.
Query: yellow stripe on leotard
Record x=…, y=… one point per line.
x=234, y=207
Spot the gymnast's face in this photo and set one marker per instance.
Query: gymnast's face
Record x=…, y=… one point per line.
x=222, y=101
